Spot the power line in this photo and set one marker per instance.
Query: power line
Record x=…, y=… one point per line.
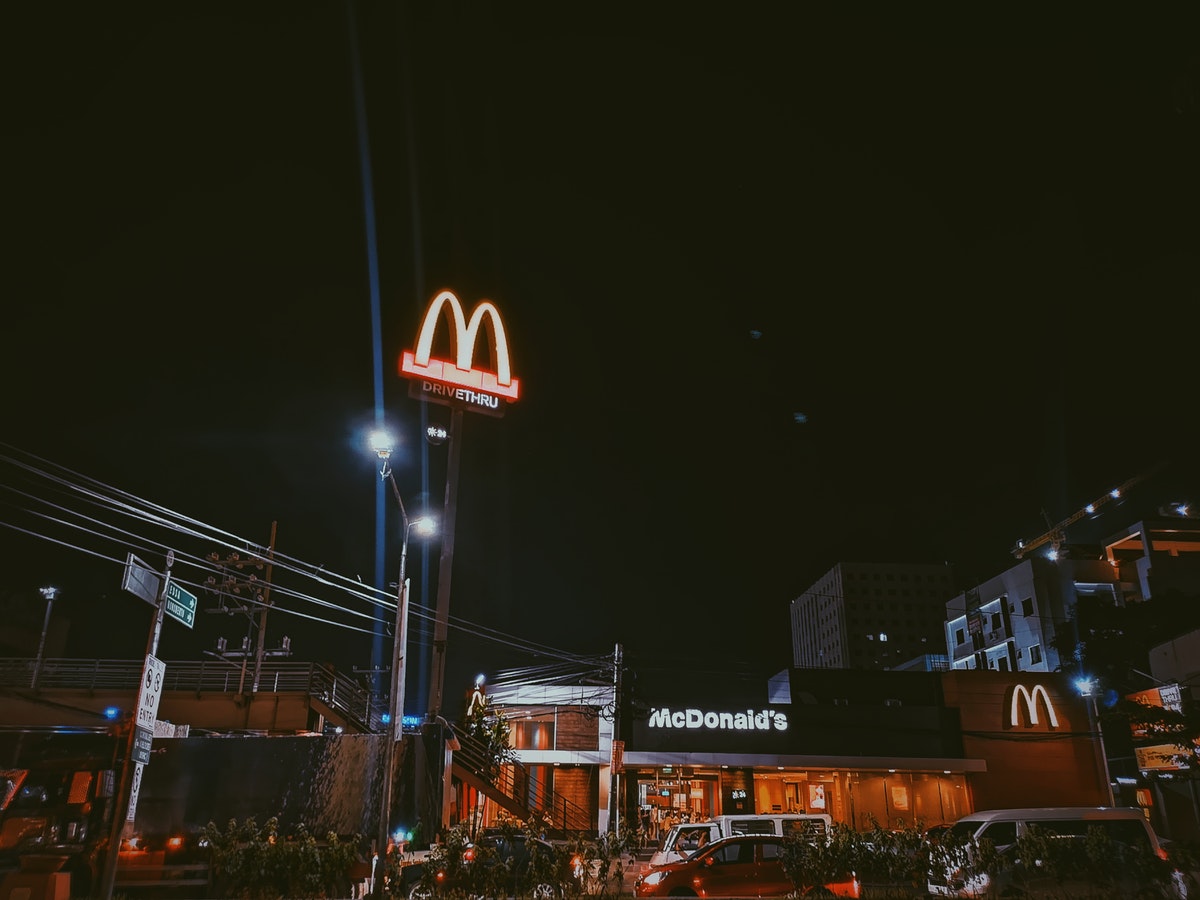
x=54, y=507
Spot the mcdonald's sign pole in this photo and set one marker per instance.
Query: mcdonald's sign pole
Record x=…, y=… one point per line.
x=457, y=382
x=445, y=563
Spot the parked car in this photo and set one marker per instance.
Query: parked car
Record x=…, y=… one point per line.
x=981, y=855
x=515, y=864
x=747, y=865
x=684, y=839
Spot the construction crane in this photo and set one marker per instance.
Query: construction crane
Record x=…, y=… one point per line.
x=1056, y=536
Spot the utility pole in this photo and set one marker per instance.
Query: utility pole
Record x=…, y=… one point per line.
x=266, y=606
x=614, y=799
x=232, y=582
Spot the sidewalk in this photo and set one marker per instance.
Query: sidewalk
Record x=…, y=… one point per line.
x=639, y=862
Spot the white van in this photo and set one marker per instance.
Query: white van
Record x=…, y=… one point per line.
x=951, y=877
x=682, y=840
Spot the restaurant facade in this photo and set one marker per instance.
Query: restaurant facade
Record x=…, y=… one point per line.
x=894, y=748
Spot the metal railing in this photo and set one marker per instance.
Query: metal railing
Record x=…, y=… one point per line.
x=513, y=779
x=358, y=706
x=320, y=682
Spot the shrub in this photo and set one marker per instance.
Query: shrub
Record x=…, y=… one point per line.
x=252, y=862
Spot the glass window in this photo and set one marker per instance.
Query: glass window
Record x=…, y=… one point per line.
x=534, y=732
x=734, y=853
x=1027, y=606
x=1001, y=834
x=1035, y=655
x=751, y=826
x=1129, y=832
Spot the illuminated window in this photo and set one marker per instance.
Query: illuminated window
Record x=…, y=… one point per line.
x=80, y=782
x=535, y=732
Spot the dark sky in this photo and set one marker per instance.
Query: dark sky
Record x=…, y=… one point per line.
x=962, y=243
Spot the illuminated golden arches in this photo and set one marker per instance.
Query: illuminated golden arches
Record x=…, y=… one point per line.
x=1030, y=697
x=463, y=337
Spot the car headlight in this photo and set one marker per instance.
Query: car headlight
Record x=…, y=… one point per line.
x=653, y=877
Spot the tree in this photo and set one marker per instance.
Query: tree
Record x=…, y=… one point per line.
x=1112, y=645
x=490, y=728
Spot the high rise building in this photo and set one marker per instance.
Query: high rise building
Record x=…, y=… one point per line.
x=871, y=615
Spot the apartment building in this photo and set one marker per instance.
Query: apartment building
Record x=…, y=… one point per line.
x=871, y=615
x=1011, y=622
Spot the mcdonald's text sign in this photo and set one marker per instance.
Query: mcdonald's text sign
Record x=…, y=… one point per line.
x=458, y=381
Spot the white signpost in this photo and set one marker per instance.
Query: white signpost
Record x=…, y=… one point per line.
x=147, y=711
x=133, y=791
x=150, y=693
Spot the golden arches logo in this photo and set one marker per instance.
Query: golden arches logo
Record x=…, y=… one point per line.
x=1020, y=692
x=464, y=333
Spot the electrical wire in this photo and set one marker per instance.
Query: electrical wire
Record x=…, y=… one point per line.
x=76, y=512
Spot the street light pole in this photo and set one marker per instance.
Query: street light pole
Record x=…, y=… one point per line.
x=49, y=593
x=395, y=732
x=1088, y=687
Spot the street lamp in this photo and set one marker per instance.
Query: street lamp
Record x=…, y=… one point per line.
x=49, y=593
x=1088, y=688
x=382, y=444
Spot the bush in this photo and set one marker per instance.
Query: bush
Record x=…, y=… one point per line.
x=1091, y=865
x=252, y=862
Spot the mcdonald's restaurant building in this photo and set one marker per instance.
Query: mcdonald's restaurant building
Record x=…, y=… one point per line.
x=897, y=748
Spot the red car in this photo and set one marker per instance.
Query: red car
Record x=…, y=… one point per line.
x=745, y=865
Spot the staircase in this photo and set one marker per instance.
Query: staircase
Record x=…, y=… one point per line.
x=510, y=785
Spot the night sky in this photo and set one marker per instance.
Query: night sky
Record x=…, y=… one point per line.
x=785, y=285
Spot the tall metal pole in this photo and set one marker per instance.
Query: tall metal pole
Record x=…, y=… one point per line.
x=49, y=593
x=1098, y=736
x=124, y=792
x=396, y=699
x=445, y=567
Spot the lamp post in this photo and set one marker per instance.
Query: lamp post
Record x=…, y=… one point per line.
x=382, y=445
x=1088, y=687
x=49, y=593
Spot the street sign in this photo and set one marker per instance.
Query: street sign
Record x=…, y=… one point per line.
x=150, y=693
x=142, y=739
x=140, y=580
x=134, y=790
x=181, y=604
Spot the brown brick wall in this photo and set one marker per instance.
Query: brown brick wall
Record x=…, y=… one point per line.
x=580, y=785
x=576, y=730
